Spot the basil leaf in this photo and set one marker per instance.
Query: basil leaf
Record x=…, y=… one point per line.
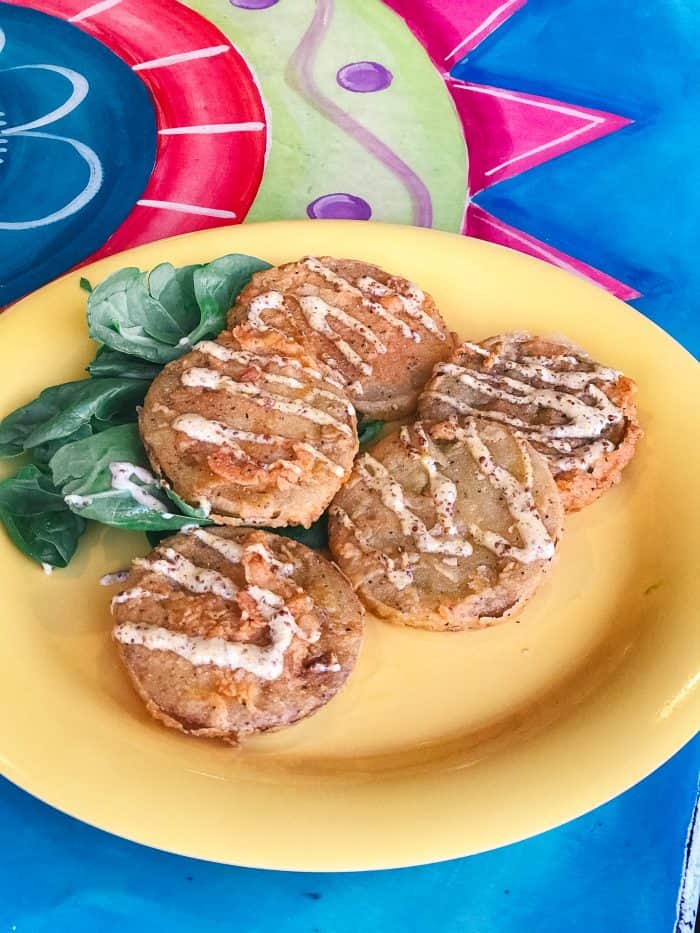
x=60, y=411
x=368, y=431
x=160, y=316
x=85, y=285
x=315, y=537
x=37, y=519
x=84, y=473
x=110, y=362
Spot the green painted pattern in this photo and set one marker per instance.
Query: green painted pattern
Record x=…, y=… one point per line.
x=310, y=156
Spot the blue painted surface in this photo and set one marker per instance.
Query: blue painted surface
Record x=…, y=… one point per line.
x=115, y=120
x=615, y=869
x=628, y=204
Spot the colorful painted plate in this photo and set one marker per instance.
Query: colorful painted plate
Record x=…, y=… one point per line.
x=441, y=744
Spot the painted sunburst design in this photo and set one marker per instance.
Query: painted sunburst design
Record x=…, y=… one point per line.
x=507, y=132
x=213, y=130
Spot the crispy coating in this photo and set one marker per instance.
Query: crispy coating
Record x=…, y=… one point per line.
x=212, y=701
x=253, y=429
x=446, y=527
x=580, y=415
x=380, y=333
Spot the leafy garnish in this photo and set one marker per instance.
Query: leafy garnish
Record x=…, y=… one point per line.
x=60, y=412
x=110, y=362
x=85, y=285
x=315, y=537
x=37, y=519
x=105, y=477
x=161, y=315
x=368, y=431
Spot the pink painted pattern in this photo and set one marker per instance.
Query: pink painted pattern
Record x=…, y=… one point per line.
x=531, y=130
x=506, y=132
x=484, y=226
x=450, y=29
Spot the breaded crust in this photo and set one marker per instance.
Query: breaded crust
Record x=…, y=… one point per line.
x=192, y=588
x=256, y=431
x=378, y=331
x=580, y=415
x=446, y=527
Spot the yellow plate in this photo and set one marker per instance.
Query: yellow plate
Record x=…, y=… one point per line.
x=441, y=744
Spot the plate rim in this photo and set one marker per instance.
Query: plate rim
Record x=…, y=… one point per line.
x=645, y=766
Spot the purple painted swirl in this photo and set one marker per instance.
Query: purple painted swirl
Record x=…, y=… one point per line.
x=300, y=75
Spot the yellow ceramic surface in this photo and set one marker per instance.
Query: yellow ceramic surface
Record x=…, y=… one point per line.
x=441, y=744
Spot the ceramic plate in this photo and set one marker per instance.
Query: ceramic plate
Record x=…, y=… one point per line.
x=441, y=744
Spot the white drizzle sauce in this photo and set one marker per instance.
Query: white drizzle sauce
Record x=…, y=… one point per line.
x=583, y=461
x=136, y=592
x=399, y=577
x=361, y=290
x=122, y=472
x=233, y=551
x=47, y=568
x=248, y=358
x=179, y=569
x=378, y=478
x=211, y=379
x=220, y=435
x=585, y=420
x=317, y=311
x=536, y=541
x=265, y=302
x=266, y=662
x=109, y=579
x=442, y=489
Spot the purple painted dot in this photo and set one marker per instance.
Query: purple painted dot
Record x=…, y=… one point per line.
x=253, y=4
x=339, y=206
x=364, y=77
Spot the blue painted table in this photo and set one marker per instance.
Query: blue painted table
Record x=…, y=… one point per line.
x=618, y=868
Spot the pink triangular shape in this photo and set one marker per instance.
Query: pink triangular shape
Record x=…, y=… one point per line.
x=449, y=29
x=509, y=132
x=479, y=223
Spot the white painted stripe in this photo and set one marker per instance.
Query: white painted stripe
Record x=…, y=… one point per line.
x=518, y=98
x=79, y=91
x=182, y=57
x=206, y=128
x=482, y=27
x=689, y=893
x=186, y=208
x=535, y=247
x=543, y=148
x=591, y=122
x=93, y=10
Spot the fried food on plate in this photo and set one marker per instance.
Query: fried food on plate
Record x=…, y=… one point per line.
x=580, y=415
x=256, y=432
x=447, y=527
x=227, y=632
x=379, y=332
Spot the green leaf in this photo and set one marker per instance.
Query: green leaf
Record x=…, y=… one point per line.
x=85, y=473
x=58, y=413
x=368, y=432
x=186, y=508
x=37, y=519
x=315, y=537
x=42, y=453
x=85, y=285
x=158, y=317
x=110, y=362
